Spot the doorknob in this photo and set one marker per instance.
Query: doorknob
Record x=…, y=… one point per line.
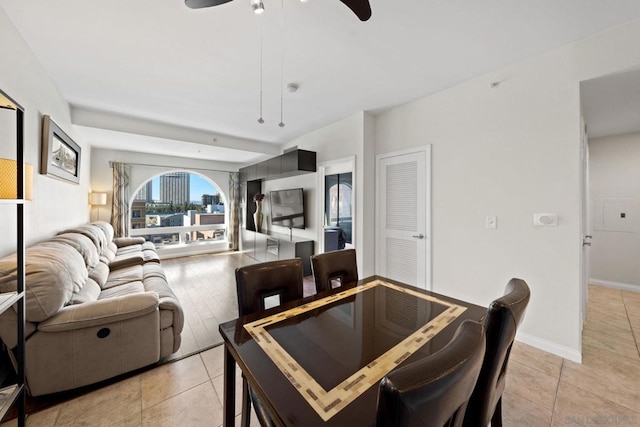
x=419, y=236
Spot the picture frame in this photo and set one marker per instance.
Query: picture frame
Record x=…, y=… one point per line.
x=60, y=156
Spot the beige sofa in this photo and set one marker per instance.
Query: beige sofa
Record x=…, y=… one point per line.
x=96, y=307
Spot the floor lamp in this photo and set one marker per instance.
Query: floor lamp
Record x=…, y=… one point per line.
x=98, y=199
x=9, y=180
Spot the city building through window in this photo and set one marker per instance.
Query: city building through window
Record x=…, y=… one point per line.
x=179, y=208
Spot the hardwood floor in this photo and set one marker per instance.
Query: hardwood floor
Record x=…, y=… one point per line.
x=206, y=288
x=542, y=389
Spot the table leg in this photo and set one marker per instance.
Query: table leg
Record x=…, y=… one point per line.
x=246, y=403
x=229, y=404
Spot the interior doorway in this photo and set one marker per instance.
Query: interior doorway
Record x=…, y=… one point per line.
x=338, y=211
x=337, y=205
x=610, y=138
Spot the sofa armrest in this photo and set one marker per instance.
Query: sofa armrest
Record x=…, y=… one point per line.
x=101, y=312
x=128, y=241
x=126, y=260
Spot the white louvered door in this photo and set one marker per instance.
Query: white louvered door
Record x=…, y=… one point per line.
x=403, y=238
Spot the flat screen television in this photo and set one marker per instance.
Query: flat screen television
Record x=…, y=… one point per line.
x=287, y=208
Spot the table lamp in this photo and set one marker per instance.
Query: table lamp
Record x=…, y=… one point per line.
x=98, y=199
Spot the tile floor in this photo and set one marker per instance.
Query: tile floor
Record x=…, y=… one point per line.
x=542, y=389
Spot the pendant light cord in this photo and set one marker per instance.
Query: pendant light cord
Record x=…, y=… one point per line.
x=260, y=119
x=281, y=124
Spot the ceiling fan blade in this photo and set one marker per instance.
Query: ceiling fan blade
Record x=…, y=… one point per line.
x=198, y=4
x=361, y=8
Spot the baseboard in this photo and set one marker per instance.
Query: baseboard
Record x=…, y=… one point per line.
x=548, y=346
x=616, y=285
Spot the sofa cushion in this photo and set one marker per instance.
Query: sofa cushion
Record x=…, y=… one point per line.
x=101, y=312
x=112, y=248
x=83, y=245
x=100, y=273
x=109, y=253
x=170, y=311
x=106, y=228
x=126, y=260
x=123, y=276
x=118, y=291
x=153, y=270
x=53, y=272
x=128, y=249
x=107, y=256
x=123, y=242
x=151, y=256
x=148, y=246
x=89, y=292
x=94, y=233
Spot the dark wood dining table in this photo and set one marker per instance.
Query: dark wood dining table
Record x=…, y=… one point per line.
x=318, y=361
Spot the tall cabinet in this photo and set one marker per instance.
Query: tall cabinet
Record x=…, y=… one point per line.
x=272, y=246
x=15, y=394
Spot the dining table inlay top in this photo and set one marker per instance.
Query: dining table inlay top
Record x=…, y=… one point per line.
x=328, y=401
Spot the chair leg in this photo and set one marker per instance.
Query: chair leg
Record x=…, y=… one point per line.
x=246, y=404
x=496, y=418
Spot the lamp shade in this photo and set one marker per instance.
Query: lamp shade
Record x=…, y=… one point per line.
x=9, y=180
x=98, y=199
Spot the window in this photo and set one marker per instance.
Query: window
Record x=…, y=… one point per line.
x=179, y=199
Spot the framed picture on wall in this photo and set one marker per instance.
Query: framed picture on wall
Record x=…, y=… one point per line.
x=60, y=155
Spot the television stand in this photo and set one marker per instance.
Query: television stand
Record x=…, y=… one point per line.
x=273, y=246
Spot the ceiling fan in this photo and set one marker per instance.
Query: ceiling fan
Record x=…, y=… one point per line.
x=361, y=8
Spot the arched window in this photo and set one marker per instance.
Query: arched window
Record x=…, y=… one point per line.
x=179, y=199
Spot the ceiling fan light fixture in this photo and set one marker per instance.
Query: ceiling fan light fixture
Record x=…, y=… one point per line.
x=257, y=6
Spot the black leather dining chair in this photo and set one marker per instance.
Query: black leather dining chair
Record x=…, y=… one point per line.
x=336, y=268
x=434, y=391
x=255, y=284
x=503, y=318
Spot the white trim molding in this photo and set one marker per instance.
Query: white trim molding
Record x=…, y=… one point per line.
x=331, y=167
x=550, y=347
x=616, y=285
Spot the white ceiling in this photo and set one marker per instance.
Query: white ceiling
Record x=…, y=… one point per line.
x=611, y=104
x=160, y=61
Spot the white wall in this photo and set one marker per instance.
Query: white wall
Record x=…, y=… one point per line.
x=102, y=173
x=614, y=172
x=56, y=204
x=512, y=151
x=352, y=136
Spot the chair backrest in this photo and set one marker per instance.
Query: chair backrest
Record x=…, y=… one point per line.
x=256, y=282
x=503, y=317
x=337, y=267
x=434, y=391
